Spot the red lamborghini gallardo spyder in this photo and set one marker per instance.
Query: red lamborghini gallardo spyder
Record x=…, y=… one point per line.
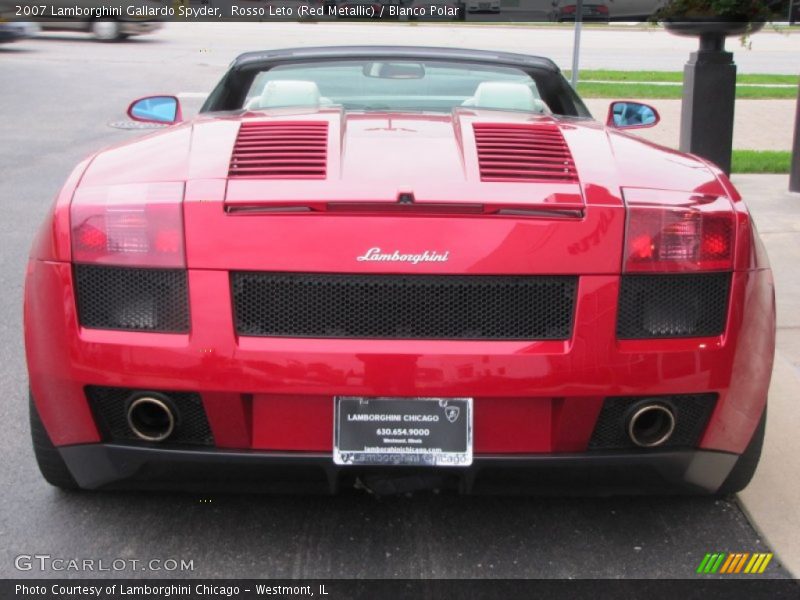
x=398, y=268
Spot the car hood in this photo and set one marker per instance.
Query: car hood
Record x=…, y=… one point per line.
x=377, y=157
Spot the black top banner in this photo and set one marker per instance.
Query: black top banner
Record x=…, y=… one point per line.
x=554, y=11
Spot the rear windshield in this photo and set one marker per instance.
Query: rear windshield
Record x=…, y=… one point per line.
x=395, y=85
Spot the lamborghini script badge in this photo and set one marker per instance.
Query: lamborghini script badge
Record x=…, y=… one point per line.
x=377, y=255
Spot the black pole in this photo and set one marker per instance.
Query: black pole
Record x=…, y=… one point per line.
x=794, y=176
x=709, y=97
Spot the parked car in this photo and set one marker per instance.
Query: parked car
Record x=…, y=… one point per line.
x=12, y=31
x=478, y=6
x=103, y=28
x=402, y=267
x=633, y=10
x=566, y=10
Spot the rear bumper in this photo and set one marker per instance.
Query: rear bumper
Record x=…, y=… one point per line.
x=111, y=466
x=276, y=394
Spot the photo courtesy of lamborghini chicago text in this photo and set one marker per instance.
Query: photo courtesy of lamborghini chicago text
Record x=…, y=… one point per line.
x=400, y=299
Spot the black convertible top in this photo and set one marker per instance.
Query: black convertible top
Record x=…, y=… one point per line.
x=248, y=59
x=231, y=91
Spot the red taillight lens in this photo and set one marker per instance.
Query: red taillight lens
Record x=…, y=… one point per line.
x=569, y=9
x=667, y=231
x=138, y=225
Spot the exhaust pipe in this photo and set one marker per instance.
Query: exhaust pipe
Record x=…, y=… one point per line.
x=651, y=425
x=151, y=419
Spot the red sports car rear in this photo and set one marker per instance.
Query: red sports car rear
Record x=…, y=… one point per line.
x=296, y=294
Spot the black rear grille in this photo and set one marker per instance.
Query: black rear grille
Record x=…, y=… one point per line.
x=132, y=298
x=672, y=306
x=110, y=407
x=691, y=411
x=404, y=306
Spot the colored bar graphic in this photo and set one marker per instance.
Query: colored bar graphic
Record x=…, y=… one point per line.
x=751, y=564
x=757, y=564
x=733, y=563
x=728, y=564
x=718, y=563
x=703, y=563
x=738, y=557
x=765, y=563
x=741, y=563
x=711, y=562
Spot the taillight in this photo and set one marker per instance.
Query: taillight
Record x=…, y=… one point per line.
x=673, y=231
x=137, y=225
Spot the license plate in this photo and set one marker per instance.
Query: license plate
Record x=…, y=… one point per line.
x=434, y=432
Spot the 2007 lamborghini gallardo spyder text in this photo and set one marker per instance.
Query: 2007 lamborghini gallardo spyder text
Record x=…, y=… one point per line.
x=404, y=268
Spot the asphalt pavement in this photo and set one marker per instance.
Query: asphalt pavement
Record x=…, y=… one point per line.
x=58, y=96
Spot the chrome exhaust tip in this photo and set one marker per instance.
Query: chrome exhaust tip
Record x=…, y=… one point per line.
x=651, y=425
x=151, y=419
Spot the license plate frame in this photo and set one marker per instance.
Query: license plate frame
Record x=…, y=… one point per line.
x=397, y=431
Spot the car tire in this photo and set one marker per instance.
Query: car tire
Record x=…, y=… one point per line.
x=106, y=30
x=745, y=466
x=52, y=466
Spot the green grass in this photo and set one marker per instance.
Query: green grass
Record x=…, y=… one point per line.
x=644, y=90
x=676, y=76
x=628, y=90
x=761, y=161
x=767, y=78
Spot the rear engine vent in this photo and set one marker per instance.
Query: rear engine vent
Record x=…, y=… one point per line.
x=132, y=298
x=523, y=152
x=672, y=306
x=281, y=150
x=110, y=408
x=404, y=306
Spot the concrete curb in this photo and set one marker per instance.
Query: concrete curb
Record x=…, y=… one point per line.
x=771, y=500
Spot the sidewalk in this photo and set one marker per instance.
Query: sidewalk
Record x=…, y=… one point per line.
x=758, y=124
x=773, y=497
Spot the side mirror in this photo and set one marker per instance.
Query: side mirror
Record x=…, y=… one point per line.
x=632, y=115
x=165, y=110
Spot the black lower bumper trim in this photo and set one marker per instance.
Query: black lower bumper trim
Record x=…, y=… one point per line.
x=96, y=466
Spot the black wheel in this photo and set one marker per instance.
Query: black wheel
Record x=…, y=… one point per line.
x=52, y=466
x=745, y=467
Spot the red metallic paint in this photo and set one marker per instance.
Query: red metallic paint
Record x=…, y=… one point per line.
x=529, y=396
